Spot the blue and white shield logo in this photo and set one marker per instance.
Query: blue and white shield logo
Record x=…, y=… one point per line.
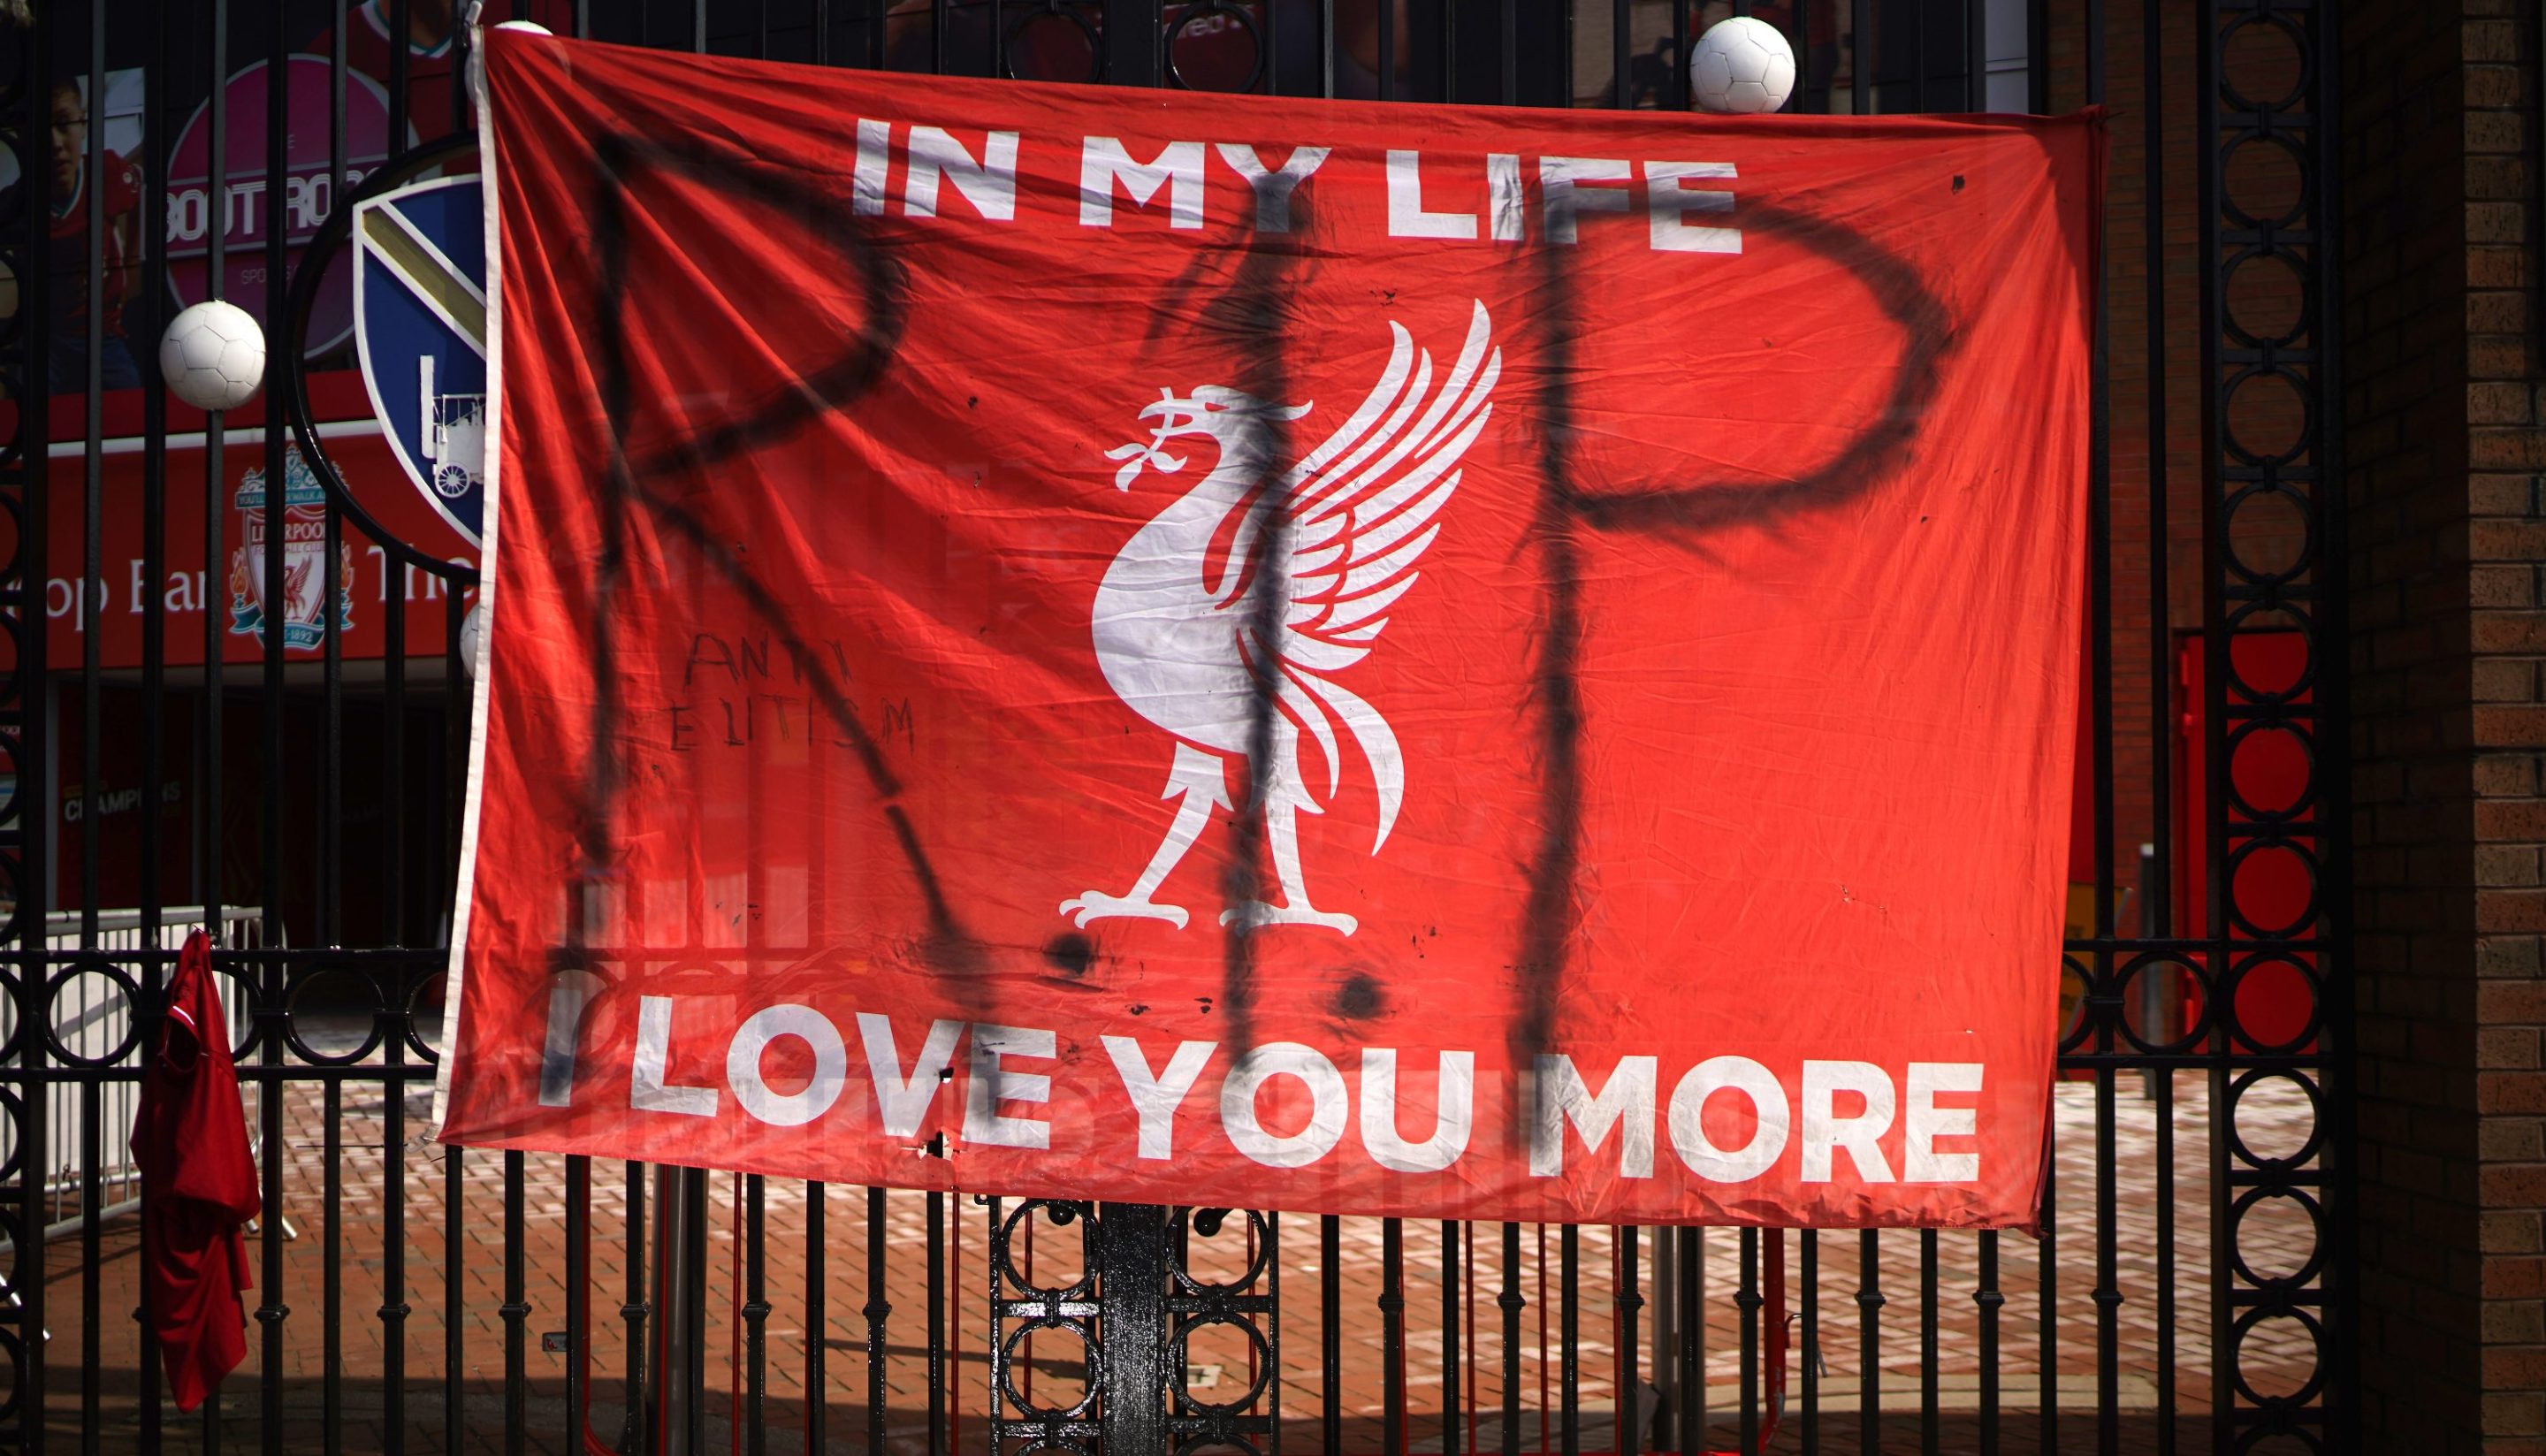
x=420, y=327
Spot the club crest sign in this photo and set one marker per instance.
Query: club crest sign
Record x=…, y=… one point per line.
x=299, y=599
x=420, y=329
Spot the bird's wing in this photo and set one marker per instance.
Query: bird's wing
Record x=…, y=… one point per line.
x=1358, y=513
x=1362, y=506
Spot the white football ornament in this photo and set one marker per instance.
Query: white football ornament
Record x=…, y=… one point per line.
x=468, y=638
x=475, y=80
x=1742, y=65
x=212, y=355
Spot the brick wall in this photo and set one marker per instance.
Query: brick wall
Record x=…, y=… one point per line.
x=2446, y=536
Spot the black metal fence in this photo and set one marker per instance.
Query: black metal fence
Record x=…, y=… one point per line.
x=2189, y=1290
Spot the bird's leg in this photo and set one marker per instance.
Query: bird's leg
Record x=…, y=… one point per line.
x=1285, y=798
x=1199, y=783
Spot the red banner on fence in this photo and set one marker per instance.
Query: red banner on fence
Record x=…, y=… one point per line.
x=1209, y=650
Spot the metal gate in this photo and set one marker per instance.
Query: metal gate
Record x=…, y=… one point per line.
x=2189, y=1292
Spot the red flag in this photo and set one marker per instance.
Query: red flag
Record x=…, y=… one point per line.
x=1212, y=649
x=198, y=1185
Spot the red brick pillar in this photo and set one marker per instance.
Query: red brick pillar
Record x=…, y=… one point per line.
x=2447, y=520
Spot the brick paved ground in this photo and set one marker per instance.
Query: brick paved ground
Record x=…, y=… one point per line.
x=2276, y=1360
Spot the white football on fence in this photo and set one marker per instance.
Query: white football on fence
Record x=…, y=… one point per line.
x=469, y=636
x=212, y=355
x=475, y=79
x=1742, y=65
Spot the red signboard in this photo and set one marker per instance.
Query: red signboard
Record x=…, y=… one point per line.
x=124, y=592
x=1205, y=649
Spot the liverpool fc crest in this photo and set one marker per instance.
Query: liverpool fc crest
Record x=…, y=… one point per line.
x=300, y=598
x=1191, y=651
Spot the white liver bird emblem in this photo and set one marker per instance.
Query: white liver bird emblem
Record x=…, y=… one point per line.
x=1333, y=541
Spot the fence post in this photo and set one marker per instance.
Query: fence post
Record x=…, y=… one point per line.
x=681, y=1291
x=1132, y=1260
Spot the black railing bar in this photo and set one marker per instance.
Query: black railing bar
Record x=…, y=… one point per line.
x=1392, y=1319
x=1976, y=55
x=1331, y=1344
x=2037, y=57
x=1273, y=1320
x=1811, y=1259
x=2157, y=898
x=454, y=1247
x=331, y=1271
x=270, y=1312
x=1675, y=93
x=1565, y=52
x=1747, y=1300
x=1869, y=1316
x=1799, y=99
x=1327, y=41
x=1569, y=1337
x=277, y=322
x=92, y=603
x=1622, y=53
x=91, y=606
x=394, y=765
x=393, y=1306
x=2106, y=1295
x=2047, y=1263
x=1453, y=1267
x=1626, y=1295
x=1929, y=1296
x=1510, y=94
x=92, y=1267
x=756, y=1315
x=2165, y=1310
x=877, y=1310
x=156, y=105
x=1860, y=68
x=331, y=777
x=578, y=1294
x=1449, y=49
x=818, y=1316
x=937, y=1362
x=1990, y=1298
x=516, y=1313
x=331, y=814
x=635, y=1306
x=1510, y=1302
x=1002, y=1309
x=402, y=18
x=1386, y=17
x=2215, y=695
x=217, y=181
